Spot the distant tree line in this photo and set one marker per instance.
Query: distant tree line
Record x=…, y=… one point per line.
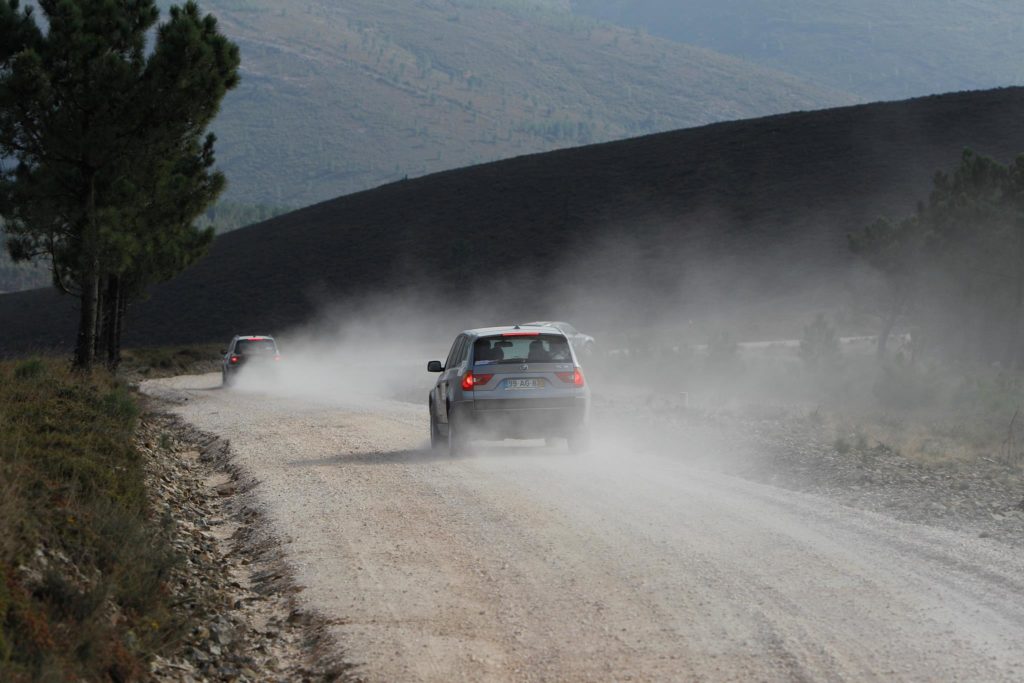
x=953, y=272
x=112, y=162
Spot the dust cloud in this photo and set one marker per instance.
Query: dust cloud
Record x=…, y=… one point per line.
x=672, y=332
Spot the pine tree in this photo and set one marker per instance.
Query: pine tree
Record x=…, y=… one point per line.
x=955, y=268
x=893, y=250
x=112, y=164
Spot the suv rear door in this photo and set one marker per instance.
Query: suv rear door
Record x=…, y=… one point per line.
x=450, y=374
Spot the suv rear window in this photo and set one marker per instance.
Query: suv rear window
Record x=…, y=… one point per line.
x=542, y=348
x=251, y=347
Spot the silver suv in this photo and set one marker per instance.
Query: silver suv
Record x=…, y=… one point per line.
x=509, y=383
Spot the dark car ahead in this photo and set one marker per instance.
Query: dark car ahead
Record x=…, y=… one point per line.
x=255, y=352
x=509, y=383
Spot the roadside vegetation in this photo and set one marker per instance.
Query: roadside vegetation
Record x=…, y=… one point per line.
x=82, y=571
x=951, y=280
x=108, y=180
x=931, y=412
x=153, y=362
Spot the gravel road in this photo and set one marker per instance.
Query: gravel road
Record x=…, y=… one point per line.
x=523, y=562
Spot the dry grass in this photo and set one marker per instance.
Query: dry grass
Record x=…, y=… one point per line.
x=947, y=437
x=82, y=582
x=165, y=361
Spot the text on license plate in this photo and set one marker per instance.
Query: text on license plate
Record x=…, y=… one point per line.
x=524, y=383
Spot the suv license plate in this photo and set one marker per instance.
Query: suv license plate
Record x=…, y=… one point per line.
x=524, y=383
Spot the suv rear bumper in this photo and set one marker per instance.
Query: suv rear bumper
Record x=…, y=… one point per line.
x=527, y=418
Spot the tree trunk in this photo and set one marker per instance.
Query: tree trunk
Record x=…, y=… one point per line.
x=115, y=322
x=122, y=312
x=85, y=345
x=101, y=319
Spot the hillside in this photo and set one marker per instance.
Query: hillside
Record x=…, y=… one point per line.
x=688, y=222
x=878, y=49
x=339, y=97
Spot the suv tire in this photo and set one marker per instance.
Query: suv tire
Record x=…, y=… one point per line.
x=436, y=439
x=458, y=436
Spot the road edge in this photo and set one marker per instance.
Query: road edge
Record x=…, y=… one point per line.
x=250, y=623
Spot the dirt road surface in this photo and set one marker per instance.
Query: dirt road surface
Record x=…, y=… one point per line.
x=525, y=563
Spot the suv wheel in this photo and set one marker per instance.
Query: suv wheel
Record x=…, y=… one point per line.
x=458, y=436
x=435, y=432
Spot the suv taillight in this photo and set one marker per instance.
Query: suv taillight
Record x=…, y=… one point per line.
x=575, y=377
x=234, y=359
x=471, y=380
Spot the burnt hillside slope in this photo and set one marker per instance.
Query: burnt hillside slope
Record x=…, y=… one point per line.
x=773, y=198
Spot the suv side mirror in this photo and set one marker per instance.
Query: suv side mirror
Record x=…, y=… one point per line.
x=435, y=366
x=223, y=352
